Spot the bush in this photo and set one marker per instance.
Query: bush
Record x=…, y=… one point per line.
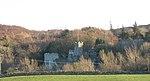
x=10, y=70
x=83, y=65
x=109, y=62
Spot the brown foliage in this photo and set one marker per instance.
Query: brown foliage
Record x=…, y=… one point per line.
x=82, y=65
x=109, y=62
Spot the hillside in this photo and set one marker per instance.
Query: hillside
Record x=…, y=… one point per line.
x=22, y=47
x=17, y=33
x=142, y=28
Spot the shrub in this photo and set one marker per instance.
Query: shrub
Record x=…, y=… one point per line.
x=109, y=62
x=83, y=65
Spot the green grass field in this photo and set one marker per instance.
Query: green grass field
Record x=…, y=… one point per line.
x=132, y=77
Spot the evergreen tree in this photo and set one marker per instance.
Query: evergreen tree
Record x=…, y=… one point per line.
x=99, y=41
x=6, y=41
x=124, y=34
x=147, y=36
x=136, y=32
x=135, y=24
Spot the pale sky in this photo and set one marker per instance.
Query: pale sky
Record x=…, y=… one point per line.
x=73, y=14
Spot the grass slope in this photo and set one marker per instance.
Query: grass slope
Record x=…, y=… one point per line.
x=137, y=77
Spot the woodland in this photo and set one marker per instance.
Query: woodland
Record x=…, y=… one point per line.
x=122, y=49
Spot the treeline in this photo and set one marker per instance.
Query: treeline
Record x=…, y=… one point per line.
x=23, y=49
x=135, y=32
x=131, y=59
